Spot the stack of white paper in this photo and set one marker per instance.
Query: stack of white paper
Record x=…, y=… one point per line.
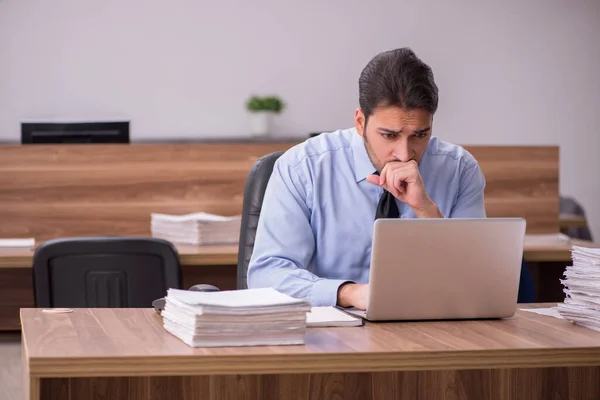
x=196, y=229
x=247, y=317
x=582, y=288
x=17, y=243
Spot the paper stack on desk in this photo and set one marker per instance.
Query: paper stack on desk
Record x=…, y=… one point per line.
x=247, y=317
x=582, y=288
x=17, y=243
x=196, y=229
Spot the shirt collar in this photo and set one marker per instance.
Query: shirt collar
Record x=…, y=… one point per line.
x=362, y=164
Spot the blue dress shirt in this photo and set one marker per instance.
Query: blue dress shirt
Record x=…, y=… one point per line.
x=316, y=223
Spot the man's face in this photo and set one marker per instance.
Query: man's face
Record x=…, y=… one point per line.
x=394, y=134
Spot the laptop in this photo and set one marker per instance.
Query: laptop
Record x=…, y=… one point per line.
x=444, y=269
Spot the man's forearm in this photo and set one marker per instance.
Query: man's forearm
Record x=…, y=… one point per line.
x=283, y=275
x=430, y=210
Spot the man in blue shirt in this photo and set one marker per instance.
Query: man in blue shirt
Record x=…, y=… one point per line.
x=314, y=234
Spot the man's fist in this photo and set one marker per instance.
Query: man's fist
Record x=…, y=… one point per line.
x=403, y=180
x=353, y=295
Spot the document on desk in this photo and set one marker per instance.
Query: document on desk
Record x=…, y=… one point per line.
x=248, y=317
x=330, y=316
x=20, y=243
x=196, y=229
x=550, y=312
x=581, y=285
x=582, y=288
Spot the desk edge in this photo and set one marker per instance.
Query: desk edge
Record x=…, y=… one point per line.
x=185, y=365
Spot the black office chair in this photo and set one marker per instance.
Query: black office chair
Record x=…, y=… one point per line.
x=526, y=285
x=254, y=192
x=104, y=272
x=568, y=205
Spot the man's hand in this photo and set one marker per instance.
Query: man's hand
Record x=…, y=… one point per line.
x=403, y=180
x=353, y=295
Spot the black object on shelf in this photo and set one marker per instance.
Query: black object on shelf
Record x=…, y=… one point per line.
x=74, y=132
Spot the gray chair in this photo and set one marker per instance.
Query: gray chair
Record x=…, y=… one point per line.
x=569, y=205
x=104, y=272
x=254, y=192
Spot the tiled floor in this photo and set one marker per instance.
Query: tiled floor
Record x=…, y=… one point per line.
x=10, y=366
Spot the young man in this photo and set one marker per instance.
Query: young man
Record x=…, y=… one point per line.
x=315, y=229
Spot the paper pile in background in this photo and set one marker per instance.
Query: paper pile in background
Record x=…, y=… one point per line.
x=196, y=229
x=582, y=288
x=247, y=317
x=17, y=243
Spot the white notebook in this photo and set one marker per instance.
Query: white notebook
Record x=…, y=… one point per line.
x=330, y=316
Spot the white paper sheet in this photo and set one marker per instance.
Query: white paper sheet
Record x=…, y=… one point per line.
x=551, y=312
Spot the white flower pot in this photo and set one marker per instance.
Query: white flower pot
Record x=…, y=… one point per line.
x=260, y=123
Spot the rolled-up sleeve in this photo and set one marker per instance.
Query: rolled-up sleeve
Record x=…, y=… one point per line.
x=470, y=200
x=285, y=242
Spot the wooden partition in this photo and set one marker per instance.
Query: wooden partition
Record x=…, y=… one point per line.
x=521, y=181
x=81, y=190
x=49, y=191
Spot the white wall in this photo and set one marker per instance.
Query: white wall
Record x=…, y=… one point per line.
x=509, y=72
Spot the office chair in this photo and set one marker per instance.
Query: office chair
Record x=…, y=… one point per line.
x=105, y=272
x=526, y=285
x=568, y=205
x=254, y=192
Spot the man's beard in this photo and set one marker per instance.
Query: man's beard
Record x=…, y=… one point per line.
x=371, y=154
x=377, y=164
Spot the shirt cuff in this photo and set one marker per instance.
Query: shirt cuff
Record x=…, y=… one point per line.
x=324, y=292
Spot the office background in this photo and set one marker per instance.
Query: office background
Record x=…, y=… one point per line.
x=509, y=72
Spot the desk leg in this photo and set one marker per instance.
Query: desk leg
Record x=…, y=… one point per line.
x=16, y=292
x=508, y=384
x=31, y=385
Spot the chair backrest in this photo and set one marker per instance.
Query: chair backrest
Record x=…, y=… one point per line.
x=569, y=205
x=254, y=192
x=104, y=272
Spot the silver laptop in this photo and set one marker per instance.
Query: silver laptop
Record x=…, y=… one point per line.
x=438, y=269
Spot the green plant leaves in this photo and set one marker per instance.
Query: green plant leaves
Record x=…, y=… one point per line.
x=265, y=103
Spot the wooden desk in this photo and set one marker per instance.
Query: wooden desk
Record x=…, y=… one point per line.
x=217, y=265
x=567, y=221
x=126, y=354
x=552, y=251
x=188, y=256
x=196, y=256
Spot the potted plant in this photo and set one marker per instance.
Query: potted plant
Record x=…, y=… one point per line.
x=261, y=111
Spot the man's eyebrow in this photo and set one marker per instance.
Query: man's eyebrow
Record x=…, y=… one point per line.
x=397, y=132
x=387, y=130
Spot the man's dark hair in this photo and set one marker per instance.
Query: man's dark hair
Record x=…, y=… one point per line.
x=397, y=78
